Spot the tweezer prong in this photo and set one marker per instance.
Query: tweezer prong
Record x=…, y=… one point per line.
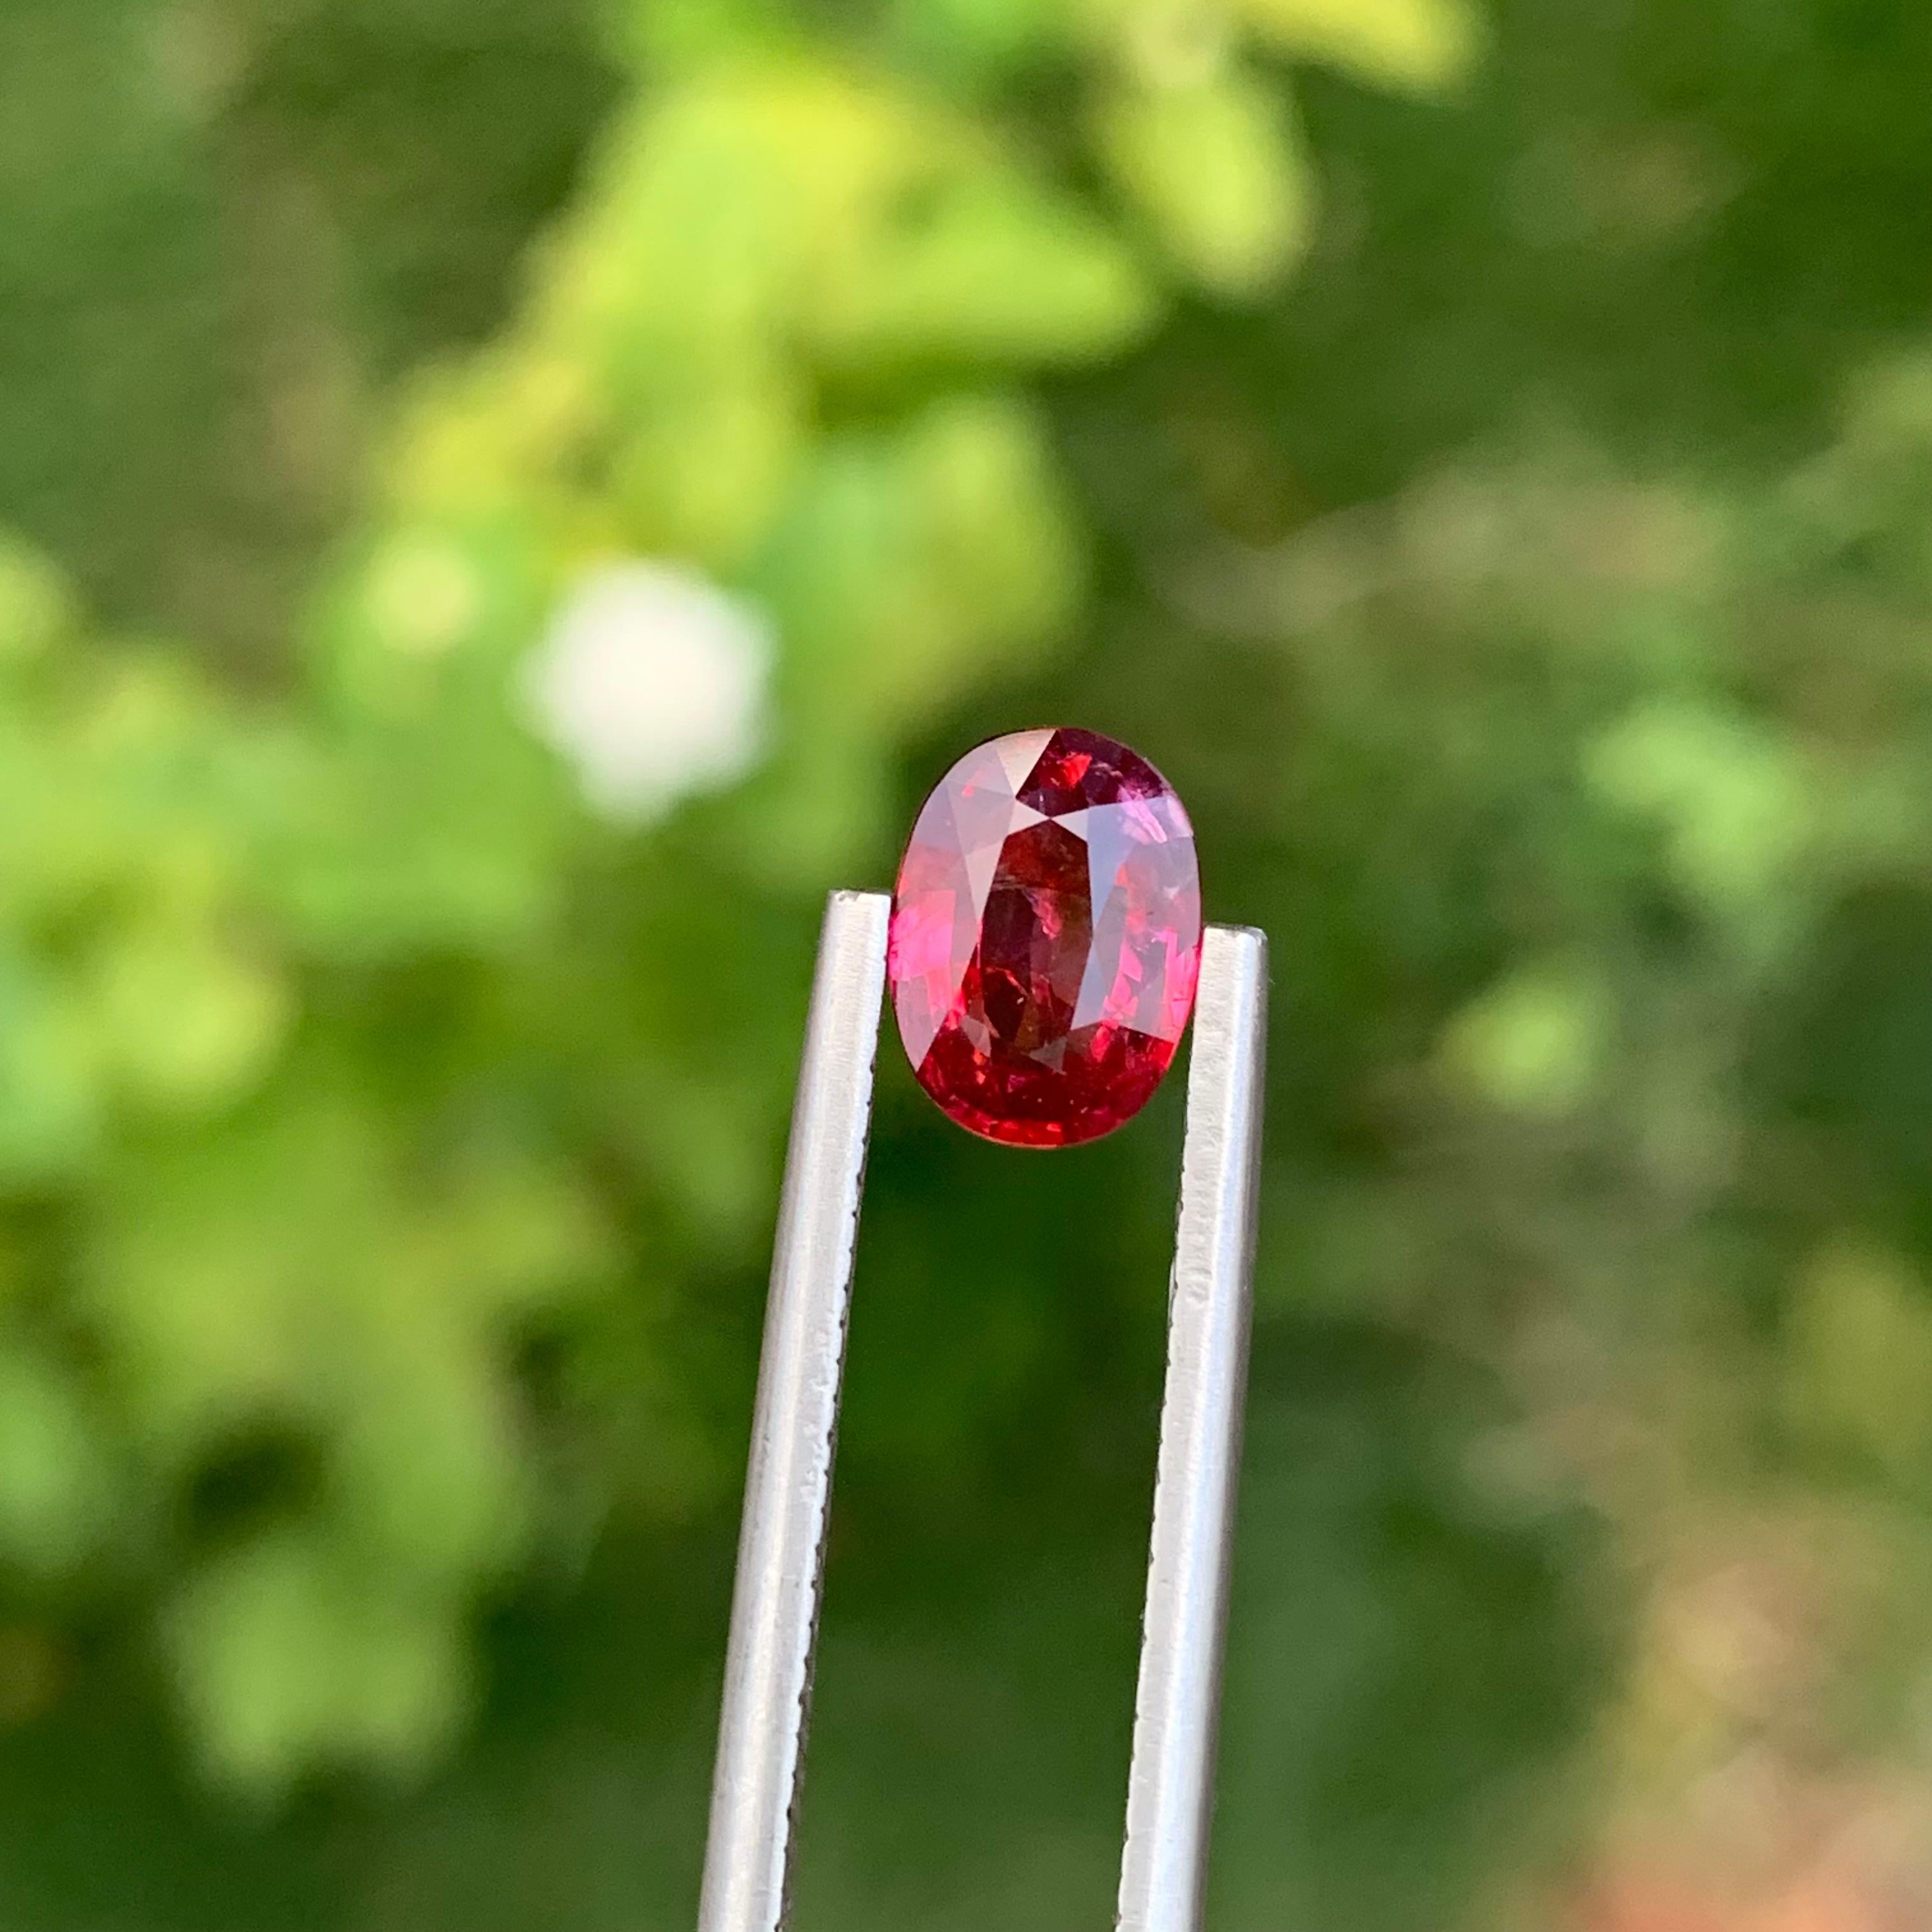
x=794, y=1431
x=781, y=1544
x=1171, y=1784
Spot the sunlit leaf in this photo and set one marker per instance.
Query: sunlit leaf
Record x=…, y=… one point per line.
x=1214, y=170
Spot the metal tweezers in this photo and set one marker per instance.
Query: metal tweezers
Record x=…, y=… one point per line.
x=788, y=1488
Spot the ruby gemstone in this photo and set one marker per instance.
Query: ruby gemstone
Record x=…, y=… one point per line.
x=1046, y=937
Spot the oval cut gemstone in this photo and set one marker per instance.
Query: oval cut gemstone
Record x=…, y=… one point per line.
x=1046, y=937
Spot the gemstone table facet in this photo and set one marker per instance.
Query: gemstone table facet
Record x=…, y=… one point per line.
x=1046, y=937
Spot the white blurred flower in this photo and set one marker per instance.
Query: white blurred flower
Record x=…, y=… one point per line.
x=652, y=683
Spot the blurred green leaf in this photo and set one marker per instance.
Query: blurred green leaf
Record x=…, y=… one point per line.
x=1734, y=798
x=286, y=1657
x=36, y=610
x=979, y=263
x=56, y=1489
x=51, y=1105
x=1424, y=44
x=1538, y=1043
x=1860, y=1351
x=1214, y=169
x=183, y=1021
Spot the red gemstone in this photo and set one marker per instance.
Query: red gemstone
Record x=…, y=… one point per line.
x=1046, y=935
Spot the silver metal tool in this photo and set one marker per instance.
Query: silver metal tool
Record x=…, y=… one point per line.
x=788, y=1489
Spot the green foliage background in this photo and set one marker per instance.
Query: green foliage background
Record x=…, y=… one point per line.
x=1485, y=456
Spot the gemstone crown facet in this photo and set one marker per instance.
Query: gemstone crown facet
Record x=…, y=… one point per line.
x=1046, y=938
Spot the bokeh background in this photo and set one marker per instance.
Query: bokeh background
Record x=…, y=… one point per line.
x=509, y=500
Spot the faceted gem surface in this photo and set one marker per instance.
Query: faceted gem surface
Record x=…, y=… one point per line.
x=1046, y=937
